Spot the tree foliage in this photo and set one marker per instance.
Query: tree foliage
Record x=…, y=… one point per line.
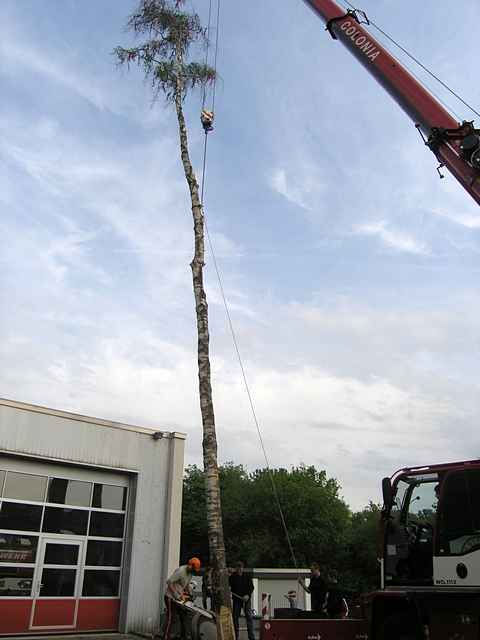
x=361, y=570
x=169, y=33
x=321, y=526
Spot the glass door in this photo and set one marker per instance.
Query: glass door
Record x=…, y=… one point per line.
x=56, y=587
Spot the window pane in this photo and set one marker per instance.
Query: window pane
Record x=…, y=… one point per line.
x=455, y=516
x=65, y=521
x=25, y=517
x=58, y=582
x=473, y=483
x=104, y=554
x=22, y=486
x=61, y=554
x=2, y=478
x=72, y=492
x=108, y=496
x=108, y=525
x=101, y=583
x=422, y=508
x=15, y=581
x=15, y=548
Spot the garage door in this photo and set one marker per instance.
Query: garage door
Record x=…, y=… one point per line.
x=62, y=534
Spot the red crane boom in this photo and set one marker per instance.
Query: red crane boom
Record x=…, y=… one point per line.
x=456, y=146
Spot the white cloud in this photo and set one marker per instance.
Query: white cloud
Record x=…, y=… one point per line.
x=301, y=185
x=91, y=76
x=306, y=414
x=15, y=53
x=393, y=239
x=468, y=220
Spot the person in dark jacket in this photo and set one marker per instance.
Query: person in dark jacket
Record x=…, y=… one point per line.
x=241, y=586
x=317, y=588
x=336, y=603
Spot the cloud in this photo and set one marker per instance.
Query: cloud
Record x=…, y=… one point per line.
x=69, y=70
x=397, y=240
x=468, y=220
x=302, y=186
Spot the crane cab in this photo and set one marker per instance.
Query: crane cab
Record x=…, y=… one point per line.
x=431, y=527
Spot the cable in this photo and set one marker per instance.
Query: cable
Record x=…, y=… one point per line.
x=204, y=97
x=250, y=399
x=444, y=104
x=417, y=61
x=227, y=311
x=215, y=58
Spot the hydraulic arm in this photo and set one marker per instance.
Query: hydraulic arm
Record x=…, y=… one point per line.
x=456, y=146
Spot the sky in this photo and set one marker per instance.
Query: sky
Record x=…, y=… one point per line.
x=351, y=270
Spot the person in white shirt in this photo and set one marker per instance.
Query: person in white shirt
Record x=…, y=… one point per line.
x=177, y=591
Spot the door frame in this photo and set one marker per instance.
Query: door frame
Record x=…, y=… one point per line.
x=37, y=578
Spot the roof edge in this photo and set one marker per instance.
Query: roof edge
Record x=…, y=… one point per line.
x=34, y=408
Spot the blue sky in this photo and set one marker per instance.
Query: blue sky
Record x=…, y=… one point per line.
x=351, y=269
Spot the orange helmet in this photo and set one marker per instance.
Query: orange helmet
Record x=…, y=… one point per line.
x=194, y=563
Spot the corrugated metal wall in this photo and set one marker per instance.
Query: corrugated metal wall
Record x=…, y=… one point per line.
x=34, y=431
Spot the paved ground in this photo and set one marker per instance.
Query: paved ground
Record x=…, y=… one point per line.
x=243, y=630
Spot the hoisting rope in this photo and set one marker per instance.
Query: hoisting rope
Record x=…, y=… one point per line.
x=224, y=297
x=204, y=95
x=418, y=62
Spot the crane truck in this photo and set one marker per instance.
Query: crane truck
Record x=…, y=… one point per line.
x=429, y=541
x=429, y=548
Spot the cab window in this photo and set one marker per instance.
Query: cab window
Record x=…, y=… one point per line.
x=400, y=493
x=422, y=506
x=458, y=520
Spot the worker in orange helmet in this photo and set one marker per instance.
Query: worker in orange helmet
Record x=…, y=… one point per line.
x=177, y=592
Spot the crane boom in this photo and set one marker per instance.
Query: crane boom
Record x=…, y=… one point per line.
x=456, y=146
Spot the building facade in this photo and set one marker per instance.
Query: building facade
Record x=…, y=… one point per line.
x=277, y=583
x=90, y=514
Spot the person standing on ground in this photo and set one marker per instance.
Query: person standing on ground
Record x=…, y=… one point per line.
x=336, y=603
x=207, y=588
x=317, y=588
x=177, y=586
x=241, y=586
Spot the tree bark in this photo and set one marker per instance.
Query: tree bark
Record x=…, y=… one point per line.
x=220, y=583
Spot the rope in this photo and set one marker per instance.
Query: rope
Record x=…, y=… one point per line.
x=215, y=58
x=250, y=400
x=420, y=64
x=204, y=97
x=444, y=104
x=229, y=318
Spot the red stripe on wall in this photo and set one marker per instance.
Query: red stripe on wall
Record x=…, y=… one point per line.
x=98, y=614
x=14, y=615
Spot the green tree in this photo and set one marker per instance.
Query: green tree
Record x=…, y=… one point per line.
x=361, y=568
x=317, y=518
x=321, y=526
x=169, y=34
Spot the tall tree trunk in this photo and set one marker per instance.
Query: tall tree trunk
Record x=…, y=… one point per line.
x=220, y=584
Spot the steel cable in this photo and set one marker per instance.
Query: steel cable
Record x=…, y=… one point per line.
x=227, y=309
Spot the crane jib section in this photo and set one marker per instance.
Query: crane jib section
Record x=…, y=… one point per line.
x=411, y=96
